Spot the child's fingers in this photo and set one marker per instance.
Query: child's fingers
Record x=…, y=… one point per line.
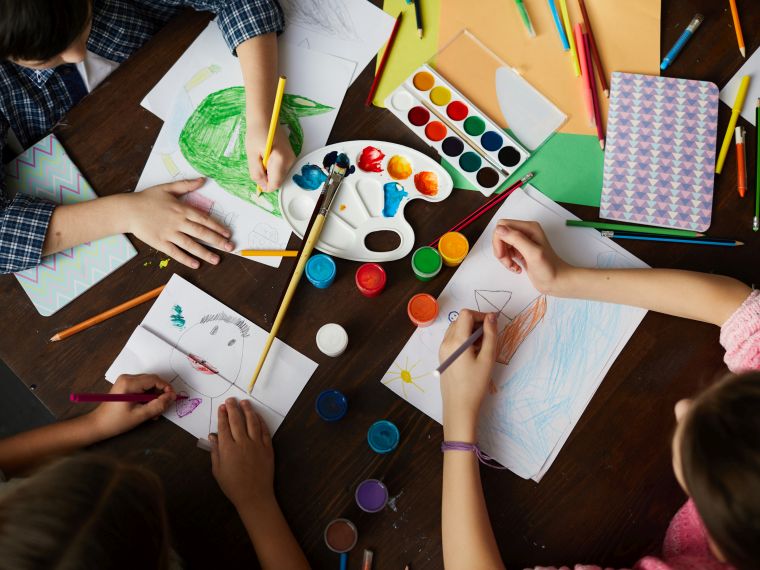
x=223, y=429
x=237, y=421
x=266, y=437
x=205, y=220
x=194, y=248
x=143, y=382
x=488, y=343
x=257, y=172
x=532, y=230
x=180, y=256
x=156, y=407
x=183, y=186
x=275, y=171
x=252, y=420
x=522, y=243
x=204, y=234
x=214, y=441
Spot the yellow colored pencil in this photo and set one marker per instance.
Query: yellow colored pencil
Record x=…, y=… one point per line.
x=570, y=38
x=268, y=252
x=738, y=28
x=273, y=123
x=735, y=111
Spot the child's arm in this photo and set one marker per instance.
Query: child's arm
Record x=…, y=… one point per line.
x=468, y=539
x=19, y=453
x=155, y=216
x=242, y=461
x=258, y=62
x=701, y=296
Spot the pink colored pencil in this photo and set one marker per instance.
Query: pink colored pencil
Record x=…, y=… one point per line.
x=82, y=397
x=594, y=94
x=381, y=67
x=498, y=199
x=584, y=72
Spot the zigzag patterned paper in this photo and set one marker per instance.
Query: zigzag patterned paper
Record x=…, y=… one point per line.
x=46, y=171
x=660, y=158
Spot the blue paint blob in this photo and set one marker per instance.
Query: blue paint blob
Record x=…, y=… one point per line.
x=341, y=159
x=176, y=317
x=491, y=141
x=394, y=193
x=311, y=177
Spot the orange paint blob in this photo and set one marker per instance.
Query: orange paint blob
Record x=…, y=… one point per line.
x=422, y=309
x=399, y=167
x=426, y=183
x=435, y=131
x=423, y=81
x=342, y=207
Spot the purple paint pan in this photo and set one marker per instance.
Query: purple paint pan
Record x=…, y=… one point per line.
x=371, y=495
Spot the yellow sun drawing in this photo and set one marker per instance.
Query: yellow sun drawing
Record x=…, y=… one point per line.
x=404, y=373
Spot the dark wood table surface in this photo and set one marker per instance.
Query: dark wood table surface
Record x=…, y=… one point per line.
x=608, y=497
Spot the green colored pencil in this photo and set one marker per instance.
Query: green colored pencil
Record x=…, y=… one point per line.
x=756, y=219
x=631, y=228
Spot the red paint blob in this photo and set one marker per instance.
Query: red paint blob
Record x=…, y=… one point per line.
x=418, y=116
x=457, y=110
x=370, y=279
x=435, y=131
x=371, y=159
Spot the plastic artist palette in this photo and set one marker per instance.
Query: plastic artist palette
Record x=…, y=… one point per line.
x=425, y=93
x=383, y=179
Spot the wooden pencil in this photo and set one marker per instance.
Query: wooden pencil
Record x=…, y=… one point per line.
x=269, y=252
x=595, y=50
x=273, y=121
x=383, y=61
x=105, y=315
x=738, y=28
x=632, y=228
x=594, y=93
x=706, y=240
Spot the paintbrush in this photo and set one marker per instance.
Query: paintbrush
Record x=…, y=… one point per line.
x=329, y=191
x=465, y=138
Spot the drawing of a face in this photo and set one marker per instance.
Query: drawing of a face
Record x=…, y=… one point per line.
x=209, y=354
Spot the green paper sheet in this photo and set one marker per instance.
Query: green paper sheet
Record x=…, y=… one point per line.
x=568, y=169
x=409, y=51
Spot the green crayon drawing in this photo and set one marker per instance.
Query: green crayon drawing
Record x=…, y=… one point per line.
x=213, y=141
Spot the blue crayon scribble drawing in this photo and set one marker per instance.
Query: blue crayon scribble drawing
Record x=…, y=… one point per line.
x=394, y=194
x=177, y=319
x=311, y=177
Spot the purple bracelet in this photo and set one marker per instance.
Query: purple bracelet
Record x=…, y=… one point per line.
x=484, y=458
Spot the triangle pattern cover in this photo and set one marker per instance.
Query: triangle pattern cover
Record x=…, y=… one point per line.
x=46, y=171
x=660, y=159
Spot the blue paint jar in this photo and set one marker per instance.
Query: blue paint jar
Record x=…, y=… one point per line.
x=332, y=405
x=321, y=270
x=383, y=436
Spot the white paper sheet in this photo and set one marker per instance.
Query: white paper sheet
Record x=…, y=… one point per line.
x=728, y=94
x=204, y=80
x=351, y=29
x=553, y=354
x=185, y=321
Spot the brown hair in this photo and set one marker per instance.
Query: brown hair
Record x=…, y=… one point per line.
x=720, y=459
x=84, y=512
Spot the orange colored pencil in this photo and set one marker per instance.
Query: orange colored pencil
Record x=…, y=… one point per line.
x=105, y=315
x=738, y=28
x=741, y=162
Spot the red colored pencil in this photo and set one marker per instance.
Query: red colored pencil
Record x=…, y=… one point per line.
x=498, y=199
x=594, y=50
x=594, y=93
x=381, y=67
x=97, y=397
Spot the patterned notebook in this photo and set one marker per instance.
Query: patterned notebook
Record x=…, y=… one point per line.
x=660, y=158
x=46, y=171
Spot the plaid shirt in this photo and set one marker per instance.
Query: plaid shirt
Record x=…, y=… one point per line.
x=33, y=101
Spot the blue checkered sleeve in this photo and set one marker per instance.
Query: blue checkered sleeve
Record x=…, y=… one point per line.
x=23, y=225
x=241, y=20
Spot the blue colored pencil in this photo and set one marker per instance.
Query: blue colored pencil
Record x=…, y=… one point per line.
x=700, y=240
x=685, y=37
x=558, y=23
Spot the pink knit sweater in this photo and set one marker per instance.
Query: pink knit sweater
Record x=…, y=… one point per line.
x=740, y=336
x=685, y=546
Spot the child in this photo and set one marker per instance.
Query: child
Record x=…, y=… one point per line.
x=716, y=447
x=81, y=511
x=53, y=53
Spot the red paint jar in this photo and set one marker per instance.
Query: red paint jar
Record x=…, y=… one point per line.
x=370, y=279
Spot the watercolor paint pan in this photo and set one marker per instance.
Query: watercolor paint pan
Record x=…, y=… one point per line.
x=383, y=178
x=466, y=137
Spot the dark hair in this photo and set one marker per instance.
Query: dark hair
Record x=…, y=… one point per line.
x=37, y=30
x=85, y=512
x=720, y=460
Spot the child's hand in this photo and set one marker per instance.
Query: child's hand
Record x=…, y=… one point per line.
x=112, y=418
x=464, y=384
x=161, y=220
x=280, y=160
x=242, y=458
x=518, y=244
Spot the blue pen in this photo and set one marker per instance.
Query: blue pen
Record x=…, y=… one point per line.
x=685, y=37
x=558, y=23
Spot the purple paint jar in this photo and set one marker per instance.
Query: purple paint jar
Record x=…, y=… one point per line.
x=371, y=495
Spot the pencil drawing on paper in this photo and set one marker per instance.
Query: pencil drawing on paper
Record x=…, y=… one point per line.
x=213, y=140
x=327, y=17
x=404, y=374
x=518, y=329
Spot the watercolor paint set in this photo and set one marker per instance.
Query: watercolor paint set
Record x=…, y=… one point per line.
x=446, y=120
x=382, y=179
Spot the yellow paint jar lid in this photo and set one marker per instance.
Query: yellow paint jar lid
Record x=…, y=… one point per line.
x=453, y=247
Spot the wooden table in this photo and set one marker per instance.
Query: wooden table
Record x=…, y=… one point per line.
x=608, y=497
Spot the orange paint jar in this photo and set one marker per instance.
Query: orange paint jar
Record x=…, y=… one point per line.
x=422, y=309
